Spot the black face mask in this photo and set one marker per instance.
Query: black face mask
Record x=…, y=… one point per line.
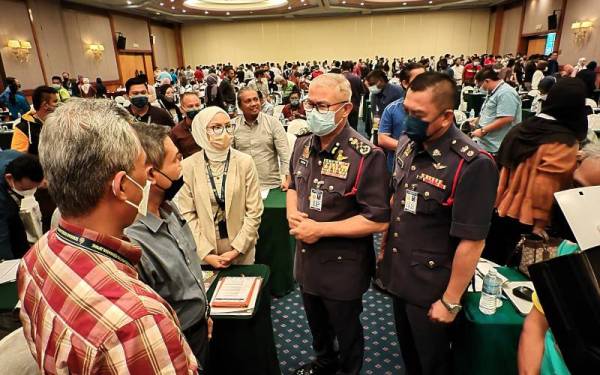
x=172, y=190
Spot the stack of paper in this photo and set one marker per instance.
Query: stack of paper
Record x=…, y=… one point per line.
x=235, y=295
x=8, y=270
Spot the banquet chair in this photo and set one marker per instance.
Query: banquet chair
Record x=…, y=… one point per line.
x=15, y=357
x=463, y=104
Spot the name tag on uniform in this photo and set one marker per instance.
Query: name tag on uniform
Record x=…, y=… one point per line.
x=316, y=199
x=410, y=201
x=335, y=168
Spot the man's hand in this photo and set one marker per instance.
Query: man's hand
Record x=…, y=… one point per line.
x=473, y=122
x=209, y=323
x=438, y=313
x=295, y=219
x=217, y=261
x=307, y=231
x=285, y=183
x=477, y=133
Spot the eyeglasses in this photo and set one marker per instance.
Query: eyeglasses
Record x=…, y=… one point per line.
x=218, y=129
x=322, y=108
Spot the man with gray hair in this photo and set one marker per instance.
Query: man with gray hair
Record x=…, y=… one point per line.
x=338, y=197
x=83, y=308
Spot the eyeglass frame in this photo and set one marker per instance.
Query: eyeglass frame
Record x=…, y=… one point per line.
x=211, y=129
x=307, y=102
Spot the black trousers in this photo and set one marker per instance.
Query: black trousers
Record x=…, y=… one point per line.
x=332, y=322
x=425, y=345
x=197, y=338
x=353, y=119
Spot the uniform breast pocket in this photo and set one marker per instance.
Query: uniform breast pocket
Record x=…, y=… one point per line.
x=430, y=268
x=333, y=187
x=431, y=201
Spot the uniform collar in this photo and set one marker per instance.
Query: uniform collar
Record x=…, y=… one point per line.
x=338, y=141
x=441, y=146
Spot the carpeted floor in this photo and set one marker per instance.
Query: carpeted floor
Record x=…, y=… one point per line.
x=293, y=339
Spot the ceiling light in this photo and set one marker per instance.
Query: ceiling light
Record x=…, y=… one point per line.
x=289, y=7
x=251, y=12
x=183, y=10
x=157, y=13
x=301, y=1
x=128, y=2
x=403, y=3
x=206, y=12
x=344, y=2
x=172, y=1
x=362, y=3
x=430, y=2
x=227, y=13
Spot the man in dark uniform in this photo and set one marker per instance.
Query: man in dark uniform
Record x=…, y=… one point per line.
x=338, y=197
x=443, y=189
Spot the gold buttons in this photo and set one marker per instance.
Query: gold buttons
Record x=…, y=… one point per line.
x=406, y=186
x=396, y=234
x=454, y=141
x=402, y=202
x=397, y=218
x=303, y=250
x=339, y=257
x=298, y=173
x=316, y=180
x=413, y=168
x=431, y=264
x=330, y=188
x=426, y=194
x=394, y=174
x=394, y=250
x=320, y=162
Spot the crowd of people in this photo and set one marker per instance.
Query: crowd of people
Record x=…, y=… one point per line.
x=147, y=189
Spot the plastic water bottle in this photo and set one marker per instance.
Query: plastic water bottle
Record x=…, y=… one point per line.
x=490, y=292
x=471, y=113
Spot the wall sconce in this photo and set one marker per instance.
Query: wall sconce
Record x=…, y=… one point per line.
x=581, y=29
x=20, y=49
x=97, y=50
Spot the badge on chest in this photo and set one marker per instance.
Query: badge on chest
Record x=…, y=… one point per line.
x=410, y=201
x=335, y=168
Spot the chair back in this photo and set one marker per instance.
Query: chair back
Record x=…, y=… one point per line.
x=591, y=103
x=15, y=357
x=594, y=122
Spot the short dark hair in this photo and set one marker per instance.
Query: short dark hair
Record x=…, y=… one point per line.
x=243, y=90
x=56, y=77
x=25, y=166
x=134, y=81
x=41, y=95
x=405, y=73
x=444, y=88
x=188, y=93
x=227, y=68
x=152, y=138
x=377, y=75
x=258, y=72
x=487, y=73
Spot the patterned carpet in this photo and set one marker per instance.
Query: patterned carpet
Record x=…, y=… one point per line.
x=293, y=339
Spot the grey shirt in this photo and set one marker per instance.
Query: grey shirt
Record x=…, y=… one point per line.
x=169, y=263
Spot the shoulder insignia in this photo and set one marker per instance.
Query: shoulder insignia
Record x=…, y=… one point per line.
x=464, y=150
x=302, y=132
x=360, y=146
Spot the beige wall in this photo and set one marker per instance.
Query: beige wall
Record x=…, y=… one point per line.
x=135, y=30
x=14, y=24
x=590, y=49
x=509, y=38
x=491, y=30
x=64, y=36
x=165, y=52
x=537, y=12
x=403, y=34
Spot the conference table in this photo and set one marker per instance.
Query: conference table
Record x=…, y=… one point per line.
x=487, y=344
x=275, y=246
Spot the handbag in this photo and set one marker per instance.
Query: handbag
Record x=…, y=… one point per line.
x=535, y=249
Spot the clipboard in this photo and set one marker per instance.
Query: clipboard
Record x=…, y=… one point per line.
x=580, y=207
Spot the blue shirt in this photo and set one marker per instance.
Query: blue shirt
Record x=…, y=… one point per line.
x=389, y=94
x=392, y=124
x=503, y=101
x=13, y=239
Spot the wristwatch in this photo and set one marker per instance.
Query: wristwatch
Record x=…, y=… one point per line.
x=453, y=308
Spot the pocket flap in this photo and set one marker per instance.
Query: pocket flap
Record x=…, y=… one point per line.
x=337, y=256
x=430, y=260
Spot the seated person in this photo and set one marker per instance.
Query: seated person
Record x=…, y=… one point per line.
x=294, y=110
x=169, y=264
x=220, y=198
x=538, y=352
x=265, y=104
x=544, y=87
x=21, y=174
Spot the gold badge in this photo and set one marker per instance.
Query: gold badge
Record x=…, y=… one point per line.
x=470, y=153
x=408, y=149
x=433, y=181
x=335, y=168
x=436, y=152
x=464, y=149
x=306, y=151
x=439, y=166
x=340, y=155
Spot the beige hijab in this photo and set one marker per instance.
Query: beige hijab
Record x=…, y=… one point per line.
x=199, y=125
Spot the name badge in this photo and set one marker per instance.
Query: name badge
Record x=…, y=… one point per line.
x=316, y=199
x=410, y=201
x=335, y=168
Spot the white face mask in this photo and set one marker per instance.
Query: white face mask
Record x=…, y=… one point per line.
x=142, y=207
x=24, y=193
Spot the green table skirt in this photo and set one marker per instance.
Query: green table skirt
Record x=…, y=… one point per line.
x=245, y=345
x=275, y=246
x=487, y=344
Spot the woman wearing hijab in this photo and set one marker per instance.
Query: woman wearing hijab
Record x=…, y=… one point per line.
x=537, y=159
x=220, y=198
x=588, y=76
x=86, y=89
x=213, y=94
x=166, y=100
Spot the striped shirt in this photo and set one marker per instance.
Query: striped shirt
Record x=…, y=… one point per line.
x=85, y=311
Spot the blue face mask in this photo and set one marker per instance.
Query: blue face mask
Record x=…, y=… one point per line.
x=415, y=128
x=321, y=124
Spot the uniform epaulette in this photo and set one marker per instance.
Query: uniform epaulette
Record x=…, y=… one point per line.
x=360, y=146
x=464, y=150
x=303, y=132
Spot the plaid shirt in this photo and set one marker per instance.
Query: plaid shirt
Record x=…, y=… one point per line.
x=85, y=311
